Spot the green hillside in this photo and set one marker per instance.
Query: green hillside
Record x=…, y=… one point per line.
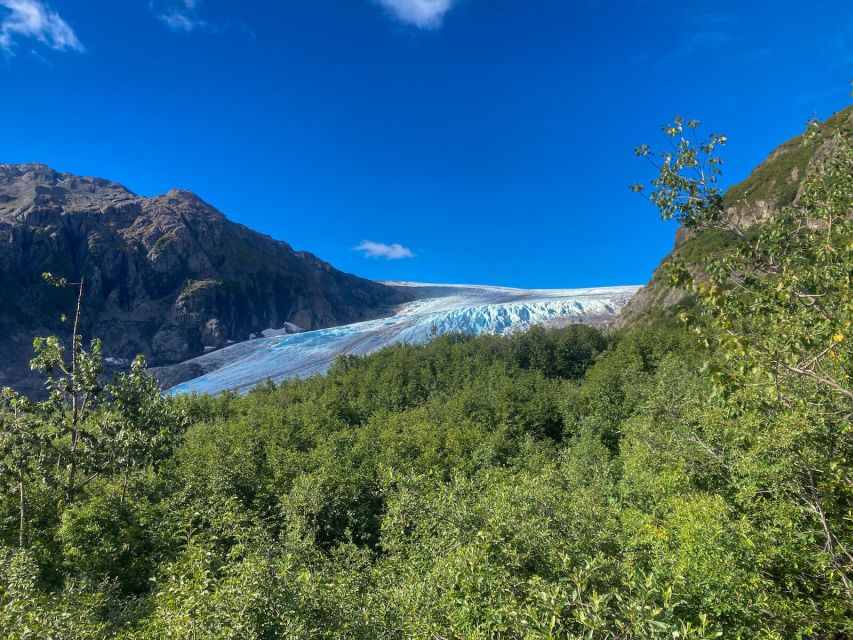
x=770, y=186
x=777, y=179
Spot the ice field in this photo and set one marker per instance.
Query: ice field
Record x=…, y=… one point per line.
x=440, y=309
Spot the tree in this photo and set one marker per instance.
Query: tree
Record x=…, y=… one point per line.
x=142, y=426
x=776, y=315
x=20, y=447
x=73, y=397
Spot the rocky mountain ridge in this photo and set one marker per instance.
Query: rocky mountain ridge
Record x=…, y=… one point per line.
x=169, y=276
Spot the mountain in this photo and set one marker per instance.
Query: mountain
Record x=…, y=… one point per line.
x=170, y=276
x=438, y=309
x=773, y=184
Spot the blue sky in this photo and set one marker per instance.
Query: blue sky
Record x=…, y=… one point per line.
x=481, y=141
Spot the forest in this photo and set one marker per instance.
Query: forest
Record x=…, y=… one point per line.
x=684, y=477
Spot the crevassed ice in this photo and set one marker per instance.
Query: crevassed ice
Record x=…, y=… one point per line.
x=443, y=309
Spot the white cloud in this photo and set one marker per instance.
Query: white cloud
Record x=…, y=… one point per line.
x=425, y=14
x=179, y=15
x=380, y=250
x=34, y=19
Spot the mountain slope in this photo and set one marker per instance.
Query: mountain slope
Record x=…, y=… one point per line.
x=168, y=276
x=773, y=184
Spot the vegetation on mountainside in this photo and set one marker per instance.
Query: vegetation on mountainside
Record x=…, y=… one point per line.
x=777, y=179
x=771, y=186
x=672, y=481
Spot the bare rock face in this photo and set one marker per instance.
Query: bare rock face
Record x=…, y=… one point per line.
x=168, y=277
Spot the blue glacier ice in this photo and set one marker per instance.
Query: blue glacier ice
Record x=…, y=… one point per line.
x=439, y=309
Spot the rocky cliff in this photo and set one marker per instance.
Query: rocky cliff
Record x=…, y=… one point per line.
x=170, y=276
x=773, y=184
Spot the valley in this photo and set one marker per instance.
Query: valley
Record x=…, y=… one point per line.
x=437, y=310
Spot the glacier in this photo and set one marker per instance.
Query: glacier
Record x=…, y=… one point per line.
x=437, y=309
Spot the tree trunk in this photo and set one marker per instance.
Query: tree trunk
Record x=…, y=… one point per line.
x=69, y=490
x=72, y=470
x=126, y=478
x=22, y=509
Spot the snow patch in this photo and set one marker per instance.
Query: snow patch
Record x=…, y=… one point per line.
x=286, y=329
